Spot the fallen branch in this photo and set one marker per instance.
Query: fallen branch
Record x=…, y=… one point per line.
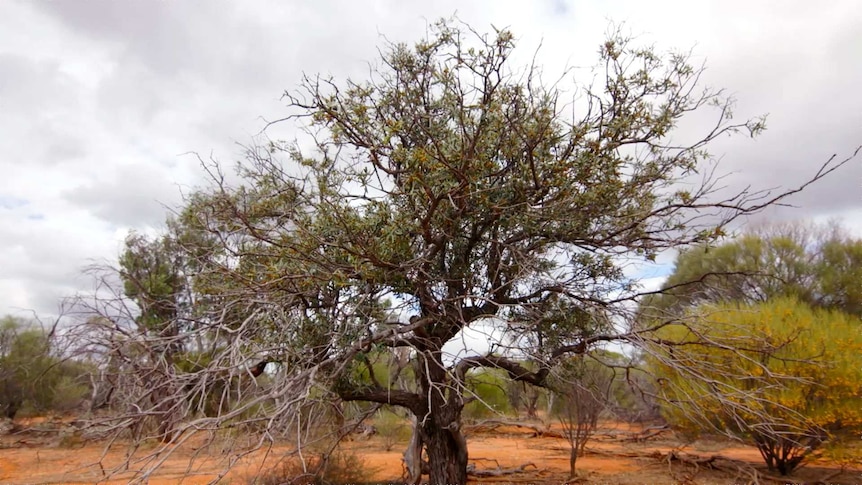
x=728, y=465
x=646, y=434
x=603, y=452
x=493, y=424
x=499, y=472
x=828, y=478
x=628, y=436
x=530, y=480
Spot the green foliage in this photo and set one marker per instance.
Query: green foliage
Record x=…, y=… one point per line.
x=68, y=386
x=448, y=182
x=392, y=427
x=839, y=273
x=462, y=188
x=151, y=273
x=819, y=265
x=779, y=374
x=32, y=376
x=193, y=361
x=488, y=387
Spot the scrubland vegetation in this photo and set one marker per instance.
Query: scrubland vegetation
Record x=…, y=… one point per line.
x=309, y=303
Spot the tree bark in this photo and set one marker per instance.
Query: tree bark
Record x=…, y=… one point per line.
x=447, y=452
x=413, y=454
x=441, y=425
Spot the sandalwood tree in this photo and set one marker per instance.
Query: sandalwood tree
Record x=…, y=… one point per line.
x=452, y=189
x=803, y=368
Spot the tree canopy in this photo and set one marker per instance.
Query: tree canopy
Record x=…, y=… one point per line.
x=447, y=189
x=819, y=264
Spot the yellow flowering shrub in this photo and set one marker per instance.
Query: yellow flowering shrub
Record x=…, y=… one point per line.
x=781, y=375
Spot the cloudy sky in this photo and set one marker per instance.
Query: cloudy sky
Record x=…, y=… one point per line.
x=102, y=102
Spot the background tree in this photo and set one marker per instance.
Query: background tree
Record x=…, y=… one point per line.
x=839, y=274
x=526, y=397
x=450, y=189
x=583, y=387
x=161, y=361
x=34, y=373
x=485, y=394
x=152, y=274
x=151, y=270
x=819, y=264
x=804, y=383
x=12, y=370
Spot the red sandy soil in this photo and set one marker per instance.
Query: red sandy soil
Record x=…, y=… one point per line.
x=610, y=459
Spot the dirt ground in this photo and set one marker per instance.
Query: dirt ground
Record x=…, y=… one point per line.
x=33, y=456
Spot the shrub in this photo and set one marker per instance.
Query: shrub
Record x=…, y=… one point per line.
x=339, y=468
x=392, y=427
x=33, y=376
x=795, y=383
x=489, y=388
x=582, y=387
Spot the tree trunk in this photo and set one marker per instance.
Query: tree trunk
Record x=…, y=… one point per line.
x=413, y=454
x=573, y=461
x=532, y=402
x=168, y=421
x=447, y=453
x=338, y=415
x=441, y=425
x=166, y=412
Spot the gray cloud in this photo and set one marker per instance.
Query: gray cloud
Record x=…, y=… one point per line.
x=99, y=99
x=132, y=196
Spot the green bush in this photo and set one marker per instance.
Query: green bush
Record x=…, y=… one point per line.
x=33, y=377
x=69, y=391
x=489, y=388
x=392, y=427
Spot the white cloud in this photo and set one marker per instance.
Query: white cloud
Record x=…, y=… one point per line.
x=100, y=99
